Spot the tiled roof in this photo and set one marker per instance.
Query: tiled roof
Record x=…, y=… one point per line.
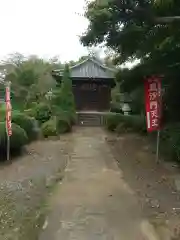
x=89, y=68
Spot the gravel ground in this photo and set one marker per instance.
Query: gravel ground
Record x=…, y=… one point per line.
x=25, y=185
x=153, y=183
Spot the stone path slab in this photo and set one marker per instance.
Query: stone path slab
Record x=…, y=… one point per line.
x=94, y=202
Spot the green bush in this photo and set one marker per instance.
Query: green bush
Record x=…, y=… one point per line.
x=118, y=122
x=135, y=123
x=2, y=112
x=42, y=112
x=31, y=105
x=25, y=122
x=70, y=116
x=17, y=140
x=56, y=125
x=170, y=141
x=63, y=124
x=50, y=128
x=29, y=112
x=112, y=120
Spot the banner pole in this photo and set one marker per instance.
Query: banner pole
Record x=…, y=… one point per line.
x=157, y=146
x=8, y=148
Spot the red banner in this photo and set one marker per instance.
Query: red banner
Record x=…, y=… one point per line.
x=8, y=112
x=153, y=103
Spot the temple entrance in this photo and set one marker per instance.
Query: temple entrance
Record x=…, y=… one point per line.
x=92, y=97
x=92, y=82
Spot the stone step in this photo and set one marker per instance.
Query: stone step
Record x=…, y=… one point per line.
x=90, y=119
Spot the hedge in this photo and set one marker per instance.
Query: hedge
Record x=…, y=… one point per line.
x=17, y=140
x=42, y=112
x=112, y=120
x=27, y=123
x=49, y=128
x=29, y=112
x=119, y=123
x=64, y=124
x=55, y=126
x=70, y=115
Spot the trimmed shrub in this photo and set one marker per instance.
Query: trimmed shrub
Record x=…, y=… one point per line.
x=120, y=123
x=63, y=124
x=29, y=112
x=70, y=116
x=50, y=128
x=112, y=120
x=135, y=123
x=17, y=140
x=42, y=112
x=31, y=105
x=55, y=126
x=25, y=122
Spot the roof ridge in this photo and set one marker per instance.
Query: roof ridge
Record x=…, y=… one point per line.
x=102, y=65
x=84, y=61
x=79, y=64
x=94, y=61
x=89, y=67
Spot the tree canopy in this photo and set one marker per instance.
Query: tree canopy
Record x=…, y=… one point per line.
x=127, y=27
x=139, y=29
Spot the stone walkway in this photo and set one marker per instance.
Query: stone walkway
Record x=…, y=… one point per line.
x=94, y=202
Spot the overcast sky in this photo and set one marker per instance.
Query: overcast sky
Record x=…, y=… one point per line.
x=42, y=27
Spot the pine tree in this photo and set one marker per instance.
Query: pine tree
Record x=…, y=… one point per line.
x=67, y=96
x=67, y=103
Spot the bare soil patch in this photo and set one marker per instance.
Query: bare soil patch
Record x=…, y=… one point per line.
x=154, y=184
x=25, y=185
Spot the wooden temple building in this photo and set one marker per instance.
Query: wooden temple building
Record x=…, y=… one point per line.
x=92, y=82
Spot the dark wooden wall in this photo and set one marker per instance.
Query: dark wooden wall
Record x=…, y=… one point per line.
x=92, y=96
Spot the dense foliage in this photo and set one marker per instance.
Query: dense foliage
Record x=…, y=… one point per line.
x=128, y=28
x=67, y=97
x=42, y=112
x=121, y=123
x=25, y=122
x=39, y=104
x=146, y=30
x=17, y=140
x=49, y=128
x=116, y=99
